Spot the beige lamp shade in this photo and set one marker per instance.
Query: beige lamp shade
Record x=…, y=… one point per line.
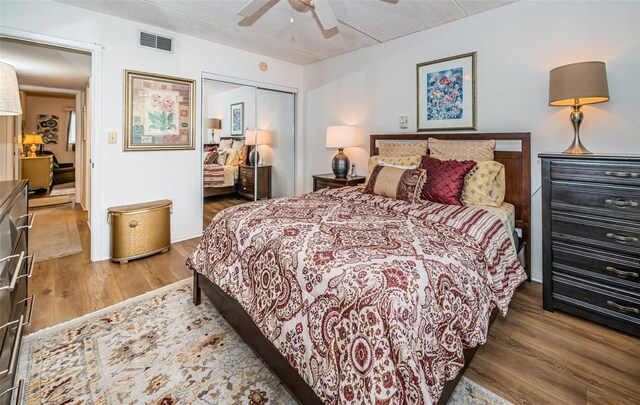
x=9, y=93
x=214, y=123
x=578, y=84
x=33, y=139
x=341, y=136
x=259, y=137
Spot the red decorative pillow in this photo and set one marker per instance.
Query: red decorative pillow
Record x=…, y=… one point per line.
x=445, y=179
x=211, y=148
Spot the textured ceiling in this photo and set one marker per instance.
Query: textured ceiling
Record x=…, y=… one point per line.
x=269, y=32
x=46, y=66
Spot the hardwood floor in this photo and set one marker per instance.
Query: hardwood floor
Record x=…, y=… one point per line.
x=73, y=286
x=213, y=205
x=532, y=356
x=537, y=357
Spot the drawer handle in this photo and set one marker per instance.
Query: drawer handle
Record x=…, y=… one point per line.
x=16, y=271
x=18, y=387
x=32, y=262
x=621, y=273
x=32, y=302
x=622, y=308
x=621, y=174
x=621, y=203
x=622, y=239
x=13, y=361
x=133, y=223
x=31, y=216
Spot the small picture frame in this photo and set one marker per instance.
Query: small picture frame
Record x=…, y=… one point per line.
x=237, y=119
x=159, y=112
x=446, y=93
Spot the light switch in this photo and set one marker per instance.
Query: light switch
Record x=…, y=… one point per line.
x=404, y=121
x=113, y=137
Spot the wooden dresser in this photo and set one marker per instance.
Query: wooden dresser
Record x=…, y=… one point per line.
x=15, y=268
x=246, y=182
x=38, y=170
x=591, y=237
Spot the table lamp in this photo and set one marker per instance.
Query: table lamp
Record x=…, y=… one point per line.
x=575, y=85
x=255, y=138
x=9, y=93
x=340, y=136
x=213, y=124
x=33, y=139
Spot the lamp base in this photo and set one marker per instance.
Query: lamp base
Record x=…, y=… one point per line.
x=254, y=157
x=340, y=165
x=576, y=147
x=33, y=150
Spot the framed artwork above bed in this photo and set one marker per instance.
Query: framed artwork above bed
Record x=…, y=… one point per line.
x=446, y=93
x=237, y=119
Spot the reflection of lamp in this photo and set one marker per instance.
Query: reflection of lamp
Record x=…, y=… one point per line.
x=340, y=137
x=255, y=138
x=9, y=93
x=575, y=85
x=33, y=139
x=213, y=124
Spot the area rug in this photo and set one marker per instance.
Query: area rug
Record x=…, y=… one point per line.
x=54, y=234
x=158, y=349
x=62, y=191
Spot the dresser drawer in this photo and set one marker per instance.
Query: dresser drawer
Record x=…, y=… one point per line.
x=597, y=299
x=612, y=201
x=605, y=233
x=606, y=267
x=608, y=172
x=247, y=172
x=321, y=184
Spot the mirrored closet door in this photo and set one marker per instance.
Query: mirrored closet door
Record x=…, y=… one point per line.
x=248, y=143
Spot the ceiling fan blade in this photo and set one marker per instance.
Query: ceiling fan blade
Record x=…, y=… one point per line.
x=252, y=7
x=325, y=14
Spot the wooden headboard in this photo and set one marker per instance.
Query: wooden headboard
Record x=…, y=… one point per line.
x=517, y=165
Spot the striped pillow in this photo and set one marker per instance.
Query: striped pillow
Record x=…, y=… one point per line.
x=399, y=184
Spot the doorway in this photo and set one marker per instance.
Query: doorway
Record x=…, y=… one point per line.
x=50, y=141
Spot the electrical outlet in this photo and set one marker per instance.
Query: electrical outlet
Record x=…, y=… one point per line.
x=404, y=121
x=113, y=137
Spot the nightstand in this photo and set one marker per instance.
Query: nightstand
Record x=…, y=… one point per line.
x=246, y=181
x=329, y=180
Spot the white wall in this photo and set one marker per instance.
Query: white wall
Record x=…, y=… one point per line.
x=129, y=177
x=219, y=106
x=517, y=45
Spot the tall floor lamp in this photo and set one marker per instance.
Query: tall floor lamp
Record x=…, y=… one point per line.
x=575, y=85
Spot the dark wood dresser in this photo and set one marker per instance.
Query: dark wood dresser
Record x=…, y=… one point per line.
x=591, y=237
x=246, y=182
x=329, y=180
x=15, y=268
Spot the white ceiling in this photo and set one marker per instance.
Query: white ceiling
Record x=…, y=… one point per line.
x=269, y=32
x=46, y=66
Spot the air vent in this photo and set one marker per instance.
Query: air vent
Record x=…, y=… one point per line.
x=149, y=40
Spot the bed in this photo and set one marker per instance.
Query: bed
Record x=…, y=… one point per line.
x=299, y=279
x=220, y=179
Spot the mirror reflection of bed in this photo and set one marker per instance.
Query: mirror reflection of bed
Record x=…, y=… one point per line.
x=248, y=144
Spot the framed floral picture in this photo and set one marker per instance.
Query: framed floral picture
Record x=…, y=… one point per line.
x=237, y=119
x=159, y=112
x=446, y=92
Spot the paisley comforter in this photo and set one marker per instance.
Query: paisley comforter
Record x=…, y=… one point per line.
x=370, y=299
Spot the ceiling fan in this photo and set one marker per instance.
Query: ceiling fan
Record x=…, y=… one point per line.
x=321, y=8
